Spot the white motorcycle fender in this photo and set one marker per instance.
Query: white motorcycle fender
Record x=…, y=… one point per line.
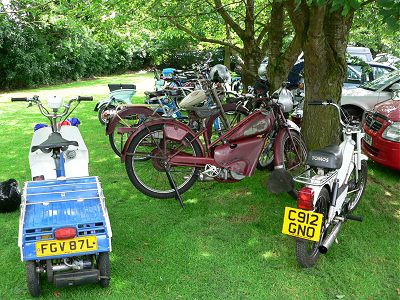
x=293, y=125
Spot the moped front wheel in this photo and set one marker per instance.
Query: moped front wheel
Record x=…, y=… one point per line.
x=307, y=252
x=293, y=163
x=118, y=139
x=146, y=162
x=356, y=187
x=101, y=116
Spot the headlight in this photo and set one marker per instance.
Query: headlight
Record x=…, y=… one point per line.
x=392, y=132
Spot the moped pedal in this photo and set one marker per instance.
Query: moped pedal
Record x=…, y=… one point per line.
x=354, y=218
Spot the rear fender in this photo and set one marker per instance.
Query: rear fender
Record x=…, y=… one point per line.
x=173, y=129
x=126, y=111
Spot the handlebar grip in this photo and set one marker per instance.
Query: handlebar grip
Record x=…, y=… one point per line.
x=19, y=99
x=85, y=98
x=315, y=103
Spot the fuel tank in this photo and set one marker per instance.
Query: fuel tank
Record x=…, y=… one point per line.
x=240, y=156
x=257, y=123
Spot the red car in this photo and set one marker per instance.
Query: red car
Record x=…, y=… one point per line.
x=382, y=134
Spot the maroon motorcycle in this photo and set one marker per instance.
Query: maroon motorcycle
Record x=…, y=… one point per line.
x=164, y=157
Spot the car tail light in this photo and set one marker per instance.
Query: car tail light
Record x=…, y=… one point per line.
x=305, y=198
x=65, y=233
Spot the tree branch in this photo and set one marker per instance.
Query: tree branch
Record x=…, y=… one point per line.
x=204, y=39
x=221, y=10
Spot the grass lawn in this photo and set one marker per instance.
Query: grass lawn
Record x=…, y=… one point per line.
x=226, y=244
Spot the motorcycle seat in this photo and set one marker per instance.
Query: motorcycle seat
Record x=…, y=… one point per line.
x=205, y=112
x=329, y=157
x=155, y=94
x=54, y=141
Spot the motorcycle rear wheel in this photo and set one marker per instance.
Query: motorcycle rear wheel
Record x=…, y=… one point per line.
x=145, y=163
x=307, y=252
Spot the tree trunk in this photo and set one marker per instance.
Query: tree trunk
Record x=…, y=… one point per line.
x=325, y=39
x=252, y=58
x=324, y=73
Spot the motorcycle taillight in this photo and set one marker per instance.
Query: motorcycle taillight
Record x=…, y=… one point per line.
x=305, y=198
x=65, y=233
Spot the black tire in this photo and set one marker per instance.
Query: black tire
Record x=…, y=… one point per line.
x=32, y=278
x=145, y=164
x=100, y=115
x=117, y=141
x=289, y=158
x=356, y=189
x=103, y=265
x=307, y=252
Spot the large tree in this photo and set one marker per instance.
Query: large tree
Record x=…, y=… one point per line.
x=243, y=26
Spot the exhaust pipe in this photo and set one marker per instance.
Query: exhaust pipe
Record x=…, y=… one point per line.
x=328, y=241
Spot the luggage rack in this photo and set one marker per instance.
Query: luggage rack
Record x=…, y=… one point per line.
x=310, y=177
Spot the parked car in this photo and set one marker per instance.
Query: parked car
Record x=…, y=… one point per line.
x=365, y=97
x=381, y=142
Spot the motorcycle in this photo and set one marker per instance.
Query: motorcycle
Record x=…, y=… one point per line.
x=64, y=228
x=333, y=187
x=120, y=94
x=164, y=157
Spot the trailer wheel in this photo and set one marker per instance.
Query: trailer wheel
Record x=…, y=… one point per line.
x=33, y=278
x=103, y=264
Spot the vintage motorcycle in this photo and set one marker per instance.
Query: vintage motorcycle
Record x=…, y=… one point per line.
x=164, y=157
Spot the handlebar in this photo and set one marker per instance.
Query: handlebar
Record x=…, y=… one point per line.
x=19, y=99
x=85, y=98
x=340, y=111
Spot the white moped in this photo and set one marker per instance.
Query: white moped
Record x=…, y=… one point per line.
x=334, y=184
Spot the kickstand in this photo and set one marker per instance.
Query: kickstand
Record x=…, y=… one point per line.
x=173, y=185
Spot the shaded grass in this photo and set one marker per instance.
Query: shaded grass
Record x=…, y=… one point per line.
x=226, y=244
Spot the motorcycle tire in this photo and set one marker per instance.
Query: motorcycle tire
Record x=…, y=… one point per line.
x=307, y=252
x=145, y=163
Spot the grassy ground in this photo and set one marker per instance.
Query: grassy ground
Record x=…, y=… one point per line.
x=226, y=244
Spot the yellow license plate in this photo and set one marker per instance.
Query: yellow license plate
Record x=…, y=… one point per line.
x=70, y=246
x=302, y=224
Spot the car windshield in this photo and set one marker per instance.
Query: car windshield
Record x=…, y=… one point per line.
x=381, y=81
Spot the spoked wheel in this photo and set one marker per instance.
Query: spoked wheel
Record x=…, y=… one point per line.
x=356, y=187
x=307, y=251
x=146, y=162
x=118, y=139
x=103, y=265
x=233, y=115
x=293, y=163
x=33, y=278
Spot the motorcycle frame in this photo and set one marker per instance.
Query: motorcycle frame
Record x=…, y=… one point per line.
x=207, y=146
x=352, y=158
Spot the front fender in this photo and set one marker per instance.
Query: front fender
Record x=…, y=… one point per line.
x=293, y=126
x=162, y=121
x=126, y=111
x=100, y=104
